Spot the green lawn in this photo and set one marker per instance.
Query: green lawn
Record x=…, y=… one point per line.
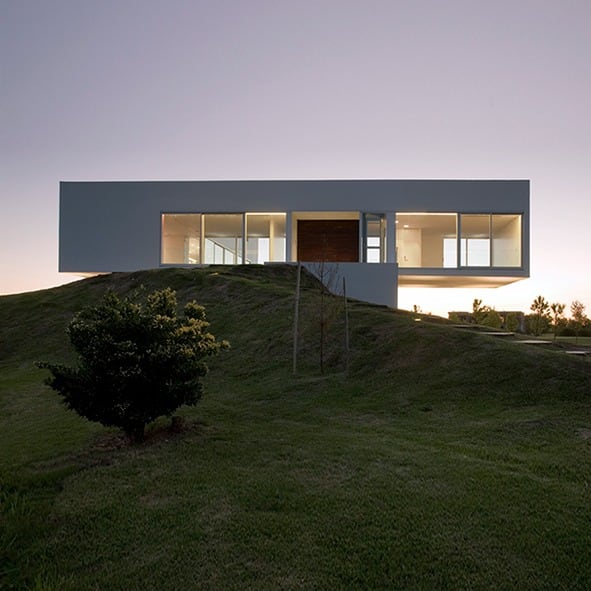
x=582, y=341
x=444, y=460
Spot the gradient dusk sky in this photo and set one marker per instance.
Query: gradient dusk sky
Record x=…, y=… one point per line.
x=142, y=89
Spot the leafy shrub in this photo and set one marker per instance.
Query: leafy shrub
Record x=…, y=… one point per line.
x=137, y=361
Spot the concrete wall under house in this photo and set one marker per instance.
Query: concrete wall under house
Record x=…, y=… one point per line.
x=375, y=283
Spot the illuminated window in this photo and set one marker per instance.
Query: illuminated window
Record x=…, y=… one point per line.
x=490, y=240
x=265, y=237
x=217, y=238
x=222, y=243
x=426, y=239
x=475, y=242
x=180, y=238
x=506, y=240
x=375, y=237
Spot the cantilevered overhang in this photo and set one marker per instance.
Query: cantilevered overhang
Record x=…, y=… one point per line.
x=457, y=278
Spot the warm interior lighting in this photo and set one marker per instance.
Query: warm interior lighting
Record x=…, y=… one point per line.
x=425, y=240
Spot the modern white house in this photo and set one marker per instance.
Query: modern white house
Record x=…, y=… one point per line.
x=380, y=233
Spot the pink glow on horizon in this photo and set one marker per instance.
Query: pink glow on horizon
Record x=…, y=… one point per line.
x=177, y=90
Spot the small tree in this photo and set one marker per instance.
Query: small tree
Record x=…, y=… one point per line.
x=512, y=321
x=557, y=317
x=329, y=309
x=540, y=309
x=536, y=325
x=485, y=315
x=137, y=361
x=492, y=319
x=479, y=311
x=578, y=318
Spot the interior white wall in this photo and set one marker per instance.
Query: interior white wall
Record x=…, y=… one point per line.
x=409, y=243
x=432, y=248
x=507, y=245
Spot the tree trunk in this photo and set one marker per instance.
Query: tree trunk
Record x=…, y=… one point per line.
x=135, y=432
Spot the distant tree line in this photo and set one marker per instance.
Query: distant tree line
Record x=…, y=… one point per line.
x=545, y=317
x=484, y=315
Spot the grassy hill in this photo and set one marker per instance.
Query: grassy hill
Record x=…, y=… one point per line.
x=444, y=459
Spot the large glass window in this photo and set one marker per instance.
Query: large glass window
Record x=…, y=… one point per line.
x=423, y=240
x=222, y=243
x=426, y=239
x=218, y=238
x=490, y=240
x=475, y=242
x=265, y=237
x=506, y=240
x=180, y=238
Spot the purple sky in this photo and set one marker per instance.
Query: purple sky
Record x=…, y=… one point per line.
x=163, y=90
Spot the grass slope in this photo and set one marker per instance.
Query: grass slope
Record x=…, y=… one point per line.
x=444, y=460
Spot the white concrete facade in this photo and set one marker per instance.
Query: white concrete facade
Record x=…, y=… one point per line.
x=449, y=233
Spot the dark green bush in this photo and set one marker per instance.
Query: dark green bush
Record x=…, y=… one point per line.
x=137, y=361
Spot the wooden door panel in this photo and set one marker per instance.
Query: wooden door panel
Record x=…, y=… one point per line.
x=328, y=240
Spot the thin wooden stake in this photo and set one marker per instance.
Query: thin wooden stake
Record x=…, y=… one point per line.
x=296, y=320
x=346, y=327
